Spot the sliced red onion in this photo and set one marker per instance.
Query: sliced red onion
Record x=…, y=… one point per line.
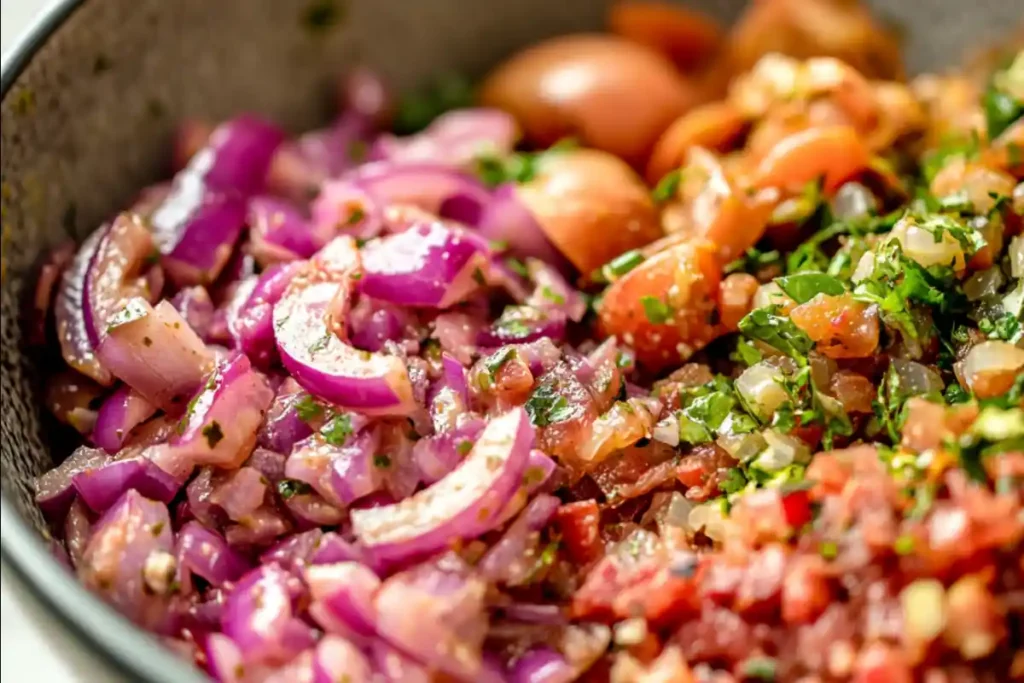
x=456, y=138
x=196, y=307
x=521, y=325
x=507, y=220
x=121, y=412
x=509, y=560
x=324, y=364
x=205, y=553
x=102, y=486
x=423, y=185
x=237, y=155
x=54, y=489
x=279, y=231
x=196, y=229
x=436, y=456
x=282, y=427
x=239, y=492
x=258, y=616
x=462, y=505
x=552, y=292
x=456, y=333
x=102, y=276
x=129, y=561
x=220, y=425
x=336, y=659
x=450, y=622
x=250, y=317
x=343, y=206
x=542, y=665
x=430, y=265
x=156, y=353
x=224, y=661
x=347, y=591
x=449, y=396
x=77, y=530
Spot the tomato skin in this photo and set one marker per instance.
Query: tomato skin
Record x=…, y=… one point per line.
x=609, y=92
x=715, y=126
x=685, y=277
x=688, y=38
x=835, y=152
x=579, y=523
x=591, y=206
x=840, y=326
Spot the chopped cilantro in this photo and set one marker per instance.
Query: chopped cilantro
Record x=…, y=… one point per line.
x=309, y=409
x=517, y=267
x=1006, y=327
x=734, y=482
x=551, y=295
x=287, y=488
x=337, y=430
x=667, y=187
x=779, y=332
x=754, y=260
x=621, y=264
x=904, y=545
x=213, y=434
x=656, y=310
x=464, y=447
x=545, y=406
x=497, y=360
x=829, y=550
x=1002, y=110
x=381, y=461
x=804, y=286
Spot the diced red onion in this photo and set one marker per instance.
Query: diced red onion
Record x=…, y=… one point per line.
x=374, y=323
x=347, y=591
x=221, y=423
x=336, y=659
x=269, y=463
x=462, y=505
x=54, y=489
x=237, y=155
x=258, y=616
x=282, y=427
x=429, y=265
x=450, y=624
x=541, y=665
x=313, y=510
x=129, y=561
x=102, y=486
x=552, y=291
x=456, y=138
x=279, y=231
x=343, y=206
x=251, y=323
x=456, y=332
x=436, y=456
x=535, y=613
x=239, y=492
x=521, y=325
x=72, y=398
x=423, y=185
x=324, y=364
x=196, y=307
x=508, y=560
x=333, y=548
x=262, y=528
x=395, y=667
x=119, y=414
x=156, y=353
x=354, y=473
x=102, y=276
x=205, y=553
x=295, y=551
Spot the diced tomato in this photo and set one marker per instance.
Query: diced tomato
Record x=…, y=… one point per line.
x=797, y=506
x=579, y=523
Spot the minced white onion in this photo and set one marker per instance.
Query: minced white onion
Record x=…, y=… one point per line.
x=992, y=357
x=853, y=200
x=924, y=609
x=769, y=294
x=916, y=379
x=783, y=450
x=743, y=447
x=865, y=267
x=709, y=518
x=920, y=244
x=984, y=283
x=667, y=430
x=760, y=385
x=1017, y=256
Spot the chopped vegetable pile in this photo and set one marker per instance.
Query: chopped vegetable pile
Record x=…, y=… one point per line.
x=721, y=383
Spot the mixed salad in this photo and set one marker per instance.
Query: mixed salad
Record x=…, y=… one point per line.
x=666, y=354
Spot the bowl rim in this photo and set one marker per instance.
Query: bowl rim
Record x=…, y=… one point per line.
x=113, y=639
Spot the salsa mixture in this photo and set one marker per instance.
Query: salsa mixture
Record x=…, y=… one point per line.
x=666, y=354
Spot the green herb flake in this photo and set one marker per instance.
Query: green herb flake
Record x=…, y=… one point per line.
x=779, y=332
x=337, y=430
x=622, y=264
x=464, y=447
x=546, y=407
x=667, y=187
x=287, y=488
x=829, y=550
x=904, y=545
x=213, y=434
x=759, y=669
x=309, y=409
x=804, y=286
x=551, y=295
x=381, y=461
x=496, y=361
x=656, y=310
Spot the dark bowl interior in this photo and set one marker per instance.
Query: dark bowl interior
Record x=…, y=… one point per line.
x=90, y=98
